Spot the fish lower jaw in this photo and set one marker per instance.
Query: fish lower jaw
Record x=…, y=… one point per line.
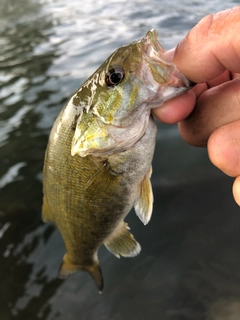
x=164, y=94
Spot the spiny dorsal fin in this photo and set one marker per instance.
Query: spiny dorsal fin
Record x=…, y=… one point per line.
x=67, y=268
x=144, y=203
x=122, y=243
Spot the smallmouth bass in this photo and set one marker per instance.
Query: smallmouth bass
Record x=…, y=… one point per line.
x=98, y=159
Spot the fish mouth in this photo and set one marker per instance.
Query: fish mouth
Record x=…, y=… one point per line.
x=162, y=71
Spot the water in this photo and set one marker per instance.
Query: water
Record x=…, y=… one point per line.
x=189, y=264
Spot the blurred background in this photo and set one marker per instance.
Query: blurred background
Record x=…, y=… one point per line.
x=189, y=265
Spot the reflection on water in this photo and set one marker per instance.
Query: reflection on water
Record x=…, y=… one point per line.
x=188, y=268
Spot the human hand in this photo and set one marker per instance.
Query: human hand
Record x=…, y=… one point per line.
x=210, y=56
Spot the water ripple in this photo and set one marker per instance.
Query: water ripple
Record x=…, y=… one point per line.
x=6, y=127
x=12, y=175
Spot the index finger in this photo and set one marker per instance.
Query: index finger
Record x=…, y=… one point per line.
x=211, y=47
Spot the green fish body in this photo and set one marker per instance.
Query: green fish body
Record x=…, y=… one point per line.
x=98, y=159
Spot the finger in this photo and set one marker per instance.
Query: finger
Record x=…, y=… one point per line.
x=224, y=148
x=211, y=47
x=180, y=107
x=235, y=75
x=236, y=190
x=214, y=108
x=177, y=109
x=199, y=88
x=224, y=77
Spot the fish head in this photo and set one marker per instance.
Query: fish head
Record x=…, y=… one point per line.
x=116, y=100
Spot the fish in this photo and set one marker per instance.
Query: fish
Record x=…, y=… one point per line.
x=98, y=161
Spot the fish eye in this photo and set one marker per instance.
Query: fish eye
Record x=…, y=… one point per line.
x=114, y=76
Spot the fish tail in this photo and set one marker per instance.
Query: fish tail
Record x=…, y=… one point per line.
x=96, y=273
x=67, y=268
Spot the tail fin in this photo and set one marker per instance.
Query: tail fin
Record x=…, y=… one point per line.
x=94, y=270
x=96, y=273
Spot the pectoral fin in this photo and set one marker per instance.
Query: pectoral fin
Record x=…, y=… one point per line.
x=122, y=243
x=67, y=268
x=144, y=203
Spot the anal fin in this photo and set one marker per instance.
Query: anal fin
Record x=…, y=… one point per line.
x=67, y=268
x=144, y=203
x=122, y=243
